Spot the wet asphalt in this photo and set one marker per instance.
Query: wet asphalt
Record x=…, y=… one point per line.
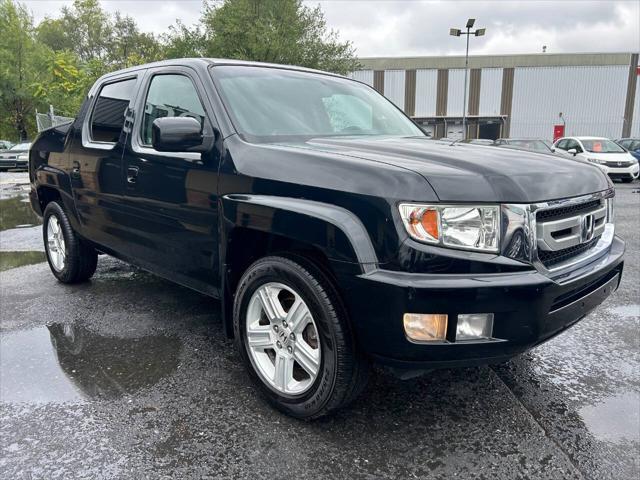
x=131, y=377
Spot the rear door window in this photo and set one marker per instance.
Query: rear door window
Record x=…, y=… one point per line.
x=107, y=118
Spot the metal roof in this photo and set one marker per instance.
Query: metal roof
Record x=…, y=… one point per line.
x=499, y=61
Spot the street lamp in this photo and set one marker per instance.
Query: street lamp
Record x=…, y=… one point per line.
x=456, y=32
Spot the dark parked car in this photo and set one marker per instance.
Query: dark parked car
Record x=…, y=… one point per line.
x=15, y=157
x=529, y=144
x=334, y=233
x=632, y=145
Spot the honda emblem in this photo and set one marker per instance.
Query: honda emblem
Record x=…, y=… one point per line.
x=588, y=225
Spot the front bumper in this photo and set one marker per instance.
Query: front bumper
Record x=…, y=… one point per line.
x=528, y=309
x=624, y=172
x=13, y=163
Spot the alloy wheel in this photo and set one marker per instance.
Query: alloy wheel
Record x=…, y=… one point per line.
x=55, y=244
x=282, y=339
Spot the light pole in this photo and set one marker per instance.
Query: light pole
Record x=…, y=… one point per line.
x=456, y=32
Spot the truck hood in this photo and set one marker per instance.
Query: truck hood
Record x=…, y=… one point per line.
x=473, y=173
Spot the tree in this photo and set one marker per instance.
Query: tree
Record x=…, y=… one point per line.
x=183, y=42
x=278, y=31
x=128, y=46
x=95, y=35
x=88, y=28
x=20, y=74
x=57, y=61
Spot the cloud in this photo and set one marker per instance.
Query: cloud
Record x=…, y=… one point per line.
x=406, y=28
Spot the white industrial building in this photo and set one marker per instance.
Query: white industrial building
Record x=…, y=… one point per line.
x=514, y=95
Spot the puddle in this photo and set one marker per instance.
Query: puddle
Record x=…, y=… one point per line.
x=67, y=363
x=626, y=311
x=16, y=212
x=10, y=260
x=20, y=231
x=22, y=239
x=616, y=419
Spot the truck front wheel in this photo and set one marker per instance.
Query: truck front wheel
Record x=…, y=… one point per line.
x=294, y=338
x=71, y=260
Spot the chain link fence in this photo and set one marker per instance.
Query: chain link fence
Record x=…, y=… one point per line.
x=48, y=120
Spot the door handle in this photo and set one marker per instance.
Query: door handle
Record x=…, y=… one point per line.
x=132, y=174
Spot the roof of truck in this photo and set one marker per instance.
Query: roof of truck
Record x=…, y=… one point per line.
x=205, y=62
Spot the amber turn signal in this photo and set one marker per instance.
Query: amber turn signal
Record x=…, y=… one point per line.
x=424, y=223
x=426, y=327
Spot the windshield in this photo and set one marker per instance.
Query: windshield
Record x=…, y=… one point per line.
x=270, y=104
x=533, y=145
x=630, y=144
x=21, y=146
x=602, y=145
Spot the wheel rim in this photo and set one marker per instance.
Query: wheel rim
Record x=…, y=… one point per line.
x=56, y=248
x=282, y=339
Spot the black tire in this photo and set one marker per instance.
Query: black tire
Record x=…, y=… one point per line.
x=80, y=258
x=343, y=369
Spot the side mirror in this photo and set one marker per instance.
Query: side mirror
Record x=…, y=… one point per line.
x=176, y=134
x=553, y=149
x=572, y=151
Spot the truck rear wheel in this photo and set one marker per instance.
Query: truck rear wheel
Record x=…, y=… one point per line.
x=294, y=338
x=71, y=260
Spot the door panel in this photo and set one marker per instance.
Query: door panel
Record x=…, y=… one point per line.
x=96, y=161
x=171, y=220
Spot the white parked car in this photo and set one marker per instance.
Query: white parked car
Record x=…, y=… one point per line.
x=601, y=151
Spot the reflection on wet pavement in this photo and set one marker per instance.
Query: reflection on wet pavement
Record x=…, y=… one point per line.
x=10, y=260
x=616, y=419
x=69, y=363
x=16, y=212
x=20, y=228
x=631, y=311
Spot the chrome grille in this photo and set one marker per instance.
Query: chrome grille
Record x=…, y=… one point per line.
x=549, y=259
x=570, y=226
x=618, y=163
x=552, y=213
x=560, y=234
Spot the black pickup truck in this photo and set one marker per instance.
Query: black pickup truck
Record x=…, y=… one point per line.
x=333, y=231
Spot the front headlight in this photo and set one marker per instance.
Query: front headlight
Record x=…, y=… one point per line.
x=466, y=227
x=597, y=160
x=23, y=157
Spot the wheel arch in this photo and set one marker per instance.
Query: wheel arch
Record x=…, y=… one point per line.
x=330, y=238
x=53, y=184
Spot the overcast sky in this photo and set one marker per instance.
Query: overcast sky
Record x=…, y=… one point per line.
x=414, y=27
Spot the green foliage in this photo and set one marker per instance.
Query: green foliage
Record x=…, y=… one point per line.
x=184, y=42
x=278, y=31
x=19, y=77
x=57, y=61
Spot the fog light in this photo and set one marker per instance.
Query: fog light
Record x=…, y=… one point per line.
x=474, y=326
x=428, y=327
